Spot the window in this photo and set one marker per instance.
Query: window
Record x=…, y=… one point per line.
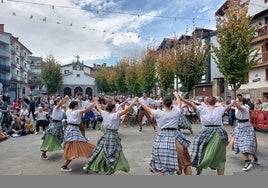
x=17, y=72
x=78, y=75
x=17, y=60
x=66, y=71
x=266, y=74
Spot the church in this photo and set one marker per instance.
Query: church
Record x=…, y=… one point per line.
x=78, y=77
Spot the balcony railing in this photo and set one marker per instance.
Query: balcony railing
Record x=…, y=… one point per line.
x=4, y=68
x=5, y=82
x=263, y=59
x=261, y=35
x=4, y=53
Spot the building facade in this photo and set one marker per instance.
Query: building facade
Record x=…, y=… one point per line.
x=256, y=85
x=15, y=65
x=78, y=77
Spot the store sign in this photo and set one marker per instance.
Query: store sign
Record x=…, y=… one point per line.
x=256, y=80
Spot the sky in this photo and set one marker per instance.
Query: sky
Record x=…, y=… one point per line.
x=102, y=31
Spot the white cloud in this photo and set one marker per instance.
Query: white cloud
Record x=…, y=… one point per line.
x=69, y=30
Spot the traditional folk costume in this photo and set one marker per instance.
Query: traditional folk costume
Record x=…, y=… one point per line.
x=170, y=149
x=184, y=123
x=108, y=156
x=244, y=134
x=209, y=145
x=75, y=144
x=53, y=136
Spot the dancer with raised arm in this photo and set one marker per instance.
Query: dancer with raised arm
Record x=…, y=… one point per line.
x=75, y=144
x=170, y=149
x=209, y=145
x=53, y=136
x=245, y=141
x=108, y=156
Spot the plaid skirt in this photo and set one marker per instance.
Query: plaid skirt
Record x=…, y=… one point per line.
x=164, y=152
x=202, y=139
x=184, y=123
x=55, y=129
x=109, y=152
x=244, y=138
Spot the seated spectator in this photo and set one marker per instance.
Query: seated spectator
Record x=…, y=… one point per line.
x=41, y=117
x=89, y=117
x=18, y=128
x=3, y=135
x=29, y=128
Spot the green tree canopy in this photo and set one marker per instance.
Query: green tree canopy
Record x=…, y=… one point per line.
x=166, y=69
x=147, y=70
x=192, y=57
x=51, y=74
x=234, y=37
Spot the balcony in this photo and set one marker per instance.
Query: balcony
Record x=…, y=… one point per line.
x=5, y=82
x=263, y=60
x=261, y=36
x=4, y=53
x=4, y=68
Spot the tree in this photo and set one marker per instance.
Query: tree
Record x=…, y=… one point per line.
x=192, y=57
x=234, y=37
x=131, y=76
x=166, y=68
x=100, y=80
x=147, y=70
x=51, y=74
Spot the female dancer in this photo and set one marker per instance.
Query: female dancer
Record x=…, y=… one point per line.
x=108, y=155
x=209, y=145
x=244, y=135
x=53, y=136
x=170, y=153
x=75, y=144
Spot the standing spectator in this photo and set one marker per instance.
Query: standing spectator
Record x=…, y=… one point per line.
x=32, y=105
x=170, y=149
x=265, y=104
x=250, y=104
x=245, y=141
x=16, y=106
x=230, y=112
x=108, y=155
x=258, y=104
x=209, y=145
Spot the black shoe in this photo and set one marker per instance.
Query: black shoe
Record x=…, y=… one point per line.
x=199, y=172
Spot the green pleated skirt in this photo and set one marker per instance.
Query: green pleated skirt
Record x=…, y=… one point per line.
x=214, y=155
x=99, y=164
x=50, y=143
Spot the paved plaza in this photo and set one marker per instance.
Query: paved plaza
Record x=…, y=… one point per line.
x=21, y=155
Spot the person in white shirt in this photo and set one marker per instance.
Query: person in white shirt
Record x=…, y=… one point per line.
x=146, y=101
x=108, y=156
